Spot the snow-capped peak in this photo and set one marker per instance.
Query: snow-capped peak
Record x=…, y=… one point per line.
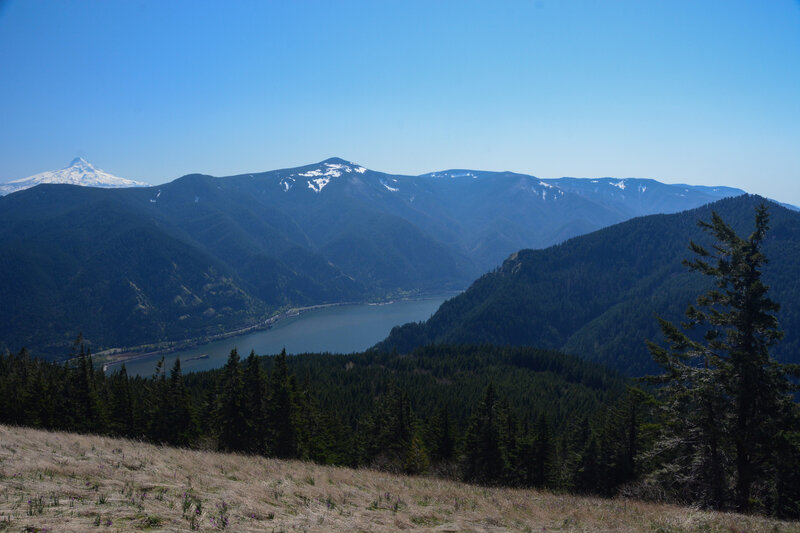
x=321, y=174
x=79, y=172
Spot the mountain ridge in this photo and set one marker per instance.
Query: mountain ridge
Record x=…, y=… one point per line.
x=326, y=232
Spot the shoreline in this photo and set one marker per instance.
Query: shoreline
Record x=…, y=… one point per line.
x=112, y=357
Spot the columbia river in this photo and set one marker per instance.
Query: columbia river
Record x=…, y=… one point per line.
x=337, y=329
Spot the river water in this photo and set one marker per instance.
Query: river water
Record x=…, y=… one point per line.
x=339, y=329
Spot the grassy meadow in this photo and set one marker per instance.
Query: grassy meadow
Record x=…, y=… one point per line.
x=52, y=481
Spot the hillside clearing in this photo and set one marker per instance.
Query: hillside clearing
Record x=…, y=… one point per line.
x=52, y=481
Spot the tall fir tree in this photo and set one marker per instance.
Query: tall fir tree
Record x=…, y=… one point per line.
x=180, y=418
x=386, y=433
x=540, y=462
x=282, y=438
x=231, y=425
x=121, y=411
x=86, y=411
x=158, y=404
x=441, y=436
x=254, y=405
x=482, y=457
x=724, y=396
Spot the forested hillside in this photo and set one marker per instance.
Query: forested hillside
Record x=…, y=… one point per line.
x=598, y=295
x=430, y=411
x=204, y=255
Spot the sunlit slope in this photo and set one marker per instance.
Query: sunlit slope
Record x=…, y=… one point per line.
x=598, y=295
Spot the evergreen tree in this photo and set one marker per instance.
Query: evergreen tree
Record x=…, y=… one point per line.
x=85, y=409
x=37, y=397
x=571, y=451
x=229, y=418
x=619, y=439
x=441, y=436
x=386, y=433
x=589, y=474
x=180, y=419
x=158, y=404
x=786, y=500
x=312, y=435
x=508, y=434
x=282, y=438
x=416, y=461
x=482, y=458
x=121, y=412
x=541, y=460
x=253, y=405
x=724, y=394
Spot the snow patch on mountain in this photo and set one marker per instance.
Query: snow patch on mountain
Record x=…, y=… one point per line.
x=452, y=174
x=620, y=184
x=389, y=187
x=323, y=174
x=318, y=184
x=79, y=172
x=285, y=183
x=315, y=172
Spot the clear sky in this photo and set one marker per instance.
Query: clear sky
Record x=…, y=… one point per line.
x=698, y=92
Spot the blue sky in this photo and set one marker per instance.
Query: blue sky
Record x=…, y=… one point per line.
x=681, y=91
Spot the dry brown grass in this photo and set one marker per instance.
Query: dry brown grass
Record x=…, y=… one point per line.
x=65, y=482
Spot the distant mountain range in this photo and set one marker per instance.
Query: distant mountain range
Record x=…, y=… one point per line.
x=79, y=172
x=202, y=254
x=597, y=296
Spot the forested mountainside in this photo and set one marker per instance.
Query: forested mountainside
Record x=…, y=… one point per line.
x=202, y=255
x=598, y=295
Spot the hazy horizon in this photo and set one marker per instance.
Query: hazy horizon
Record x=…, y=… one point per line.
x=696, y=93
